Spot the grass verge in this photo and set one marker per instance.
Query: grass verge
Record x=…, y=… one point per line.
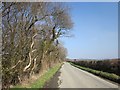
x=46, y=77
x=39, y=83
x=110, y=76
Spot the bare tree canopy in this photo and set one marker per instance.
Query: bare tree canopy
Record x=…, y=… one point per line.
x=30, y=38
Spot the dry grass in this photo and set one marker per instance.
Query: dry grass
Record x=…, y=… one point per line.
x=38, y=80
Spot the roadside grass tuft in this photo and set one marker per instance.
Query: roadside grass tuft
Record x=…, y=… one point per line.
x=46, y=77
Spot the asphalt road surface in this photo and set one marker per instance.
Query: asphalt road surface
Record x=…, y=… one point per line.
x=72, y=77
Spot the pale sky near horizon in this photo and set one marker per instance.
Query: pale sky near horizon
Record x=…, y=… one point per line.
x=95, y=30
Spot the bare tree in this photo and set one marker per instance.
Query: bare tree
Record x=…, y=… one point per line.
x=30, y=38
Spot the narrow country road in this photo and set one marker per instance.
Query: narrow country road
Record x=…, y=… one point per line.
x=72, y=77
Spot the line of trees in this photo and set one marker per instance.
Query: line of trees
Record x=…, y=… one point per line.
x=30, y=33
